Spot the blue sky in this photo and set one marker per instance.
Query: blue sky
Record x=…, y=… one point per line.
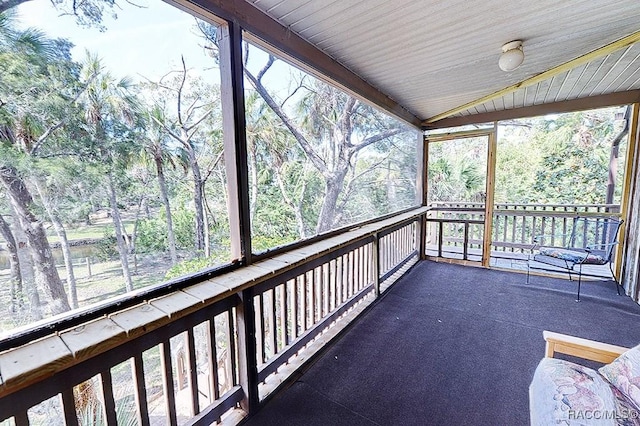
x=140, y=42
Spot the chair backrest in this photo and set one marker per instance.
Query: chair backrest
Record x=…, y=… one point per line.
x=600, y=234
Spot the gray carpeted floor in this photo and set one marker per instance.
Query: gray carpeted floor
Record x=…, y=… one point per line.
x=449, y=345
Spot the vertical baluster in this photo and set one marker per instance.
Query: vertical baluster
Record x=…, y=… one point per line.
x=383, y=254
x=260, y=325
x=404, y=236
x=343, y=276
x=21, y=418
x=303, y=302
x=317, y=280
x=440, y=229
x=387, y=252
x=363, y=268
x=390, y=251
x=272, y=322
x=330, y=284
x=311, y=299
x=327, y=291
x=553, y=227
x=513, y=226
x=465, y=250
x=356, y=270
x=108, y=401
x=167, y=382
x=232, y=356
x=284, y=315
x=360, y=256
x=505, y=222
x=316, y=296
x=69, y=407
x=533, y=220
x=364, y=250
x=338, y=279
x=193, y=373
x=295, y=312
x=524, y=227
x=347, y=276
x=564, y=227
x=137, y=367
x=352, y=272
x=323, y=292
x=214, y=387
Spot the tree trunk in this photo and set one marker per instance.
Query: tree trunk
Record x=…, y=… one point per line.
x=68, y=260
x=253, y=169
x=64, y=245
x=167, y=209
x=14, y=264
x=296, y=207
x=21, y=201
x=117, y=224
x=197, y=200
x=333, y=187
x=30, y=287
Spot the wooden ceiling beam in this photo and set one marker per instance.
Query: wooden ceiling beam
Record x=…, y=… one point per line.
x=581, y=104
x=299, y=50
x=602, y=51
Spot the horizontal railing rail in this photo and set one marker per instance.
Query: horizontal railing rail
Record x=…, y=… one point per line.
x=213, y=350
x=456, y=229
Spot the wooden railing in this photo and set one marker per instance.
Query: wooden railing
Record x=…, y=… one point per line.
x=211, y=351
x=456, y=229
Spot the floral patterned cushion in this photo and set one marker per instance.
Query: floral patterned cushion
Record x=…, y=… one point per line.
x=573, y=256
x=624, y=374
x=564, y=393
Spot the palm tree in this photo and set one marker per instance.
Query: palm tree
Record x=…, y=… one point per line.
x=26, y=123
x=110, y=111
x=155, y=147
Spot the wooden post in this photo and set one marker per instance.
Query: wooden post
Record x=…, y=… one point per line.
x=488, y=204
x=89, y=274
x=235, y=140
x=376, y=263
x=421, y=224
x=631, y=168
x=247, y=359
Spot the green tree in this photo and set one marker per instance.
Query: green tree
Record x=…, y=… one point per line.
x=110, y=113
x=186, y=105
x=37, y=92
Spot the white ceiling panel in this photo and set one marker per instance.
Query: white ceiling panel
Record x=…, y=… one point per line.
x=434, y=56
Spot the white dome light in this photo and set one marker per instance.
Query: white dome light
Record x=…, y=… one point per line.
x=512, y=56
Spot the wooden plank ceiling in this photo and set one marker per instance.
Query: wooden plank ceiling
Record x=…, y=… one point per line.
x=439, y=59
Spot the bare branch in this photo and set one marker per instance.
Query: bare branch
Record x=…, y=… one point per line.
x=317, y=161
x=197, y=123
x=300, y=86
x=349, y=189
x=265, y=68
x=212, y=167
x=182, y=82
x=377, y=138
x=168, y=130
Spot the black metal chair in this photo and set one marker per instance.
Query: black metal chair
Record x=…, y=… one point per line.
x=591, y=242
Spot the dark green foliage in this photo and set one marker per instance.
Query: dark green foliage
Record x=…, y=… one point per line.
x=106, y=249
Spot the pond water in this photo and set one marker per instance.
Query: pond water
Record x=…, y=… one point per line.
x=77, y=253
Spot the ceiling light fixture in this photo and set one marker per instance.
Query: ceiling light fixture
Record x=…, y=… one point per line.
x=512, y=56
